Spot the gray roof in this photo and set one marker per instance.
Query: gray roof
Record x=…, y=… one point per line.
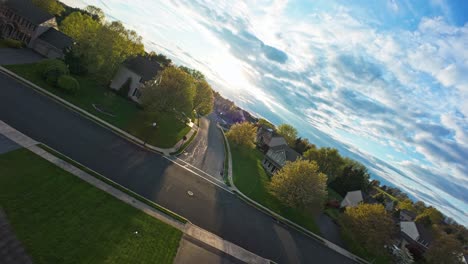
x=409, y=213
x=352, y=199
x=29, y=11
x=287, y=154
x=57, y=39
x=144, y=67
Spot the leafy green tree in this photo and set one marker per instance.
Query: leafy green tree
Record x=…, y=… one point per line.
x=302, y=145
x=299, y=184
x=174, y=92
x=444, y=249
x=288, y=132
x=430, y=216
x=370, y=226
x=162, y=59
x=264, y=122
x=103, y=47
x=354, y=177
x=204, y=99
x=197, y=75
x=96, y=13
x=242, y=134
x=406, y=204
x=329, y=160
x=50, y=6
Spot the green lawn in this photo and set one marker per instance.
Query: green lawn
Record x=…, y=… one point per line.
x=334, y=213
x=127, y=115
x=251, y=179
x=61, y=219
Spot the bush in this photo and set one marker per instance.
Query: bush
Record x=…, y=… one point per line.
x=52, y=70
x=12, y=43
x=68, y=84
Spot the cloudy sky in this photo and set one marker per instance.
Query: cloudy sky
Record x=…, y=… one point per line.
x=386, y=82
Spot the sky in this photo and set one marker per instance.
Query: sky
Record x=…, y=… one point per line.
x=385, y=82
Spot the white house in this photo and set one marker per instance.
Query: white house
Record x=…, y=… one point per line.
x=352, y=199
x=137, y=71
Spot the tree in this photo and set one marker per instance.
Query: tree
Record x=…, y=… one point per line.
x=96, y=13
x=406, y=204
x=288, y=132
x=329, y=160
x=302, y=145
x=430, y=216
x=103, y=47
x=444, y=249
x=299, y=184
x=50, y=6
x=354, y=177
x=370, y=226
x=203, y=100
x=162, y=59
x=242, y=134
x=264, y=122
x=197, y=75
x=174, y=92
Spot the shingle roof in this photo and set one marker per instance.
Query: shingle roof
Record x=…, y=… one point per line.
x=144, y=67
x=277, y=141
x=57, y=39
x=409, y=213
x=291, y=154
x=28, y=10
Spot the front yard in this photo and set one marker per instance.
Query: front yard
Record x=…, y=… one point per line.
x=251, y=179
x=61, y=219
x=100, y=101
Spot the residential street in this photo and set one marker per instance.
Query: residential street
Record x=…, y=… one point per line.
x=207, y=149
x=156, y=178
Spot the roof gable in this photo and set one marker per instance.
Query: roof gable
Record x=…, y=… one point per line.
x=410, y=229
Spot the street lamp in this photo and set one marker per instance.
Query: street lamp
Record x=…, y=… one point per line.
x=153, y=125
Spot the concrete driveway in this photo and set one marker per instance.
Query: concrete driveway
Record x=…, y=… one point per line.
x=19, y=56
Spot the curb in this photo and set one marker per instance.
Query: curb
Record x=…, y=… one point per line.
x=129, y=197
x=90, y=116
x=282, y=219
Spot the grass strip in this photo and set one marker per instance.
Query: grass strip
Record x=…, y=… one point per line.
x=114, y=184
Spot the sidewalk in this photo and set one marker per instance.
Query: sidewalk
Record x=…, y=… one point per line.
x=118, y=131
x=281, y=218
x=188, y=228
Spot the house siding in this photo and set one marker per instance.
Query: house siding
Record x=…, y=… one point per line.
x=123, y=74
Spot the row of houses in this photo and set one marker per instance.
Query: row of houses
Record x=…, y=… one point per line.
x=23, y=21
x=412, y=235
x=38, y=30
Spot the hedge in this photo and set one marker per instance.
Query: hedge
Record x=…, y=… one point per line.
x=68, y=84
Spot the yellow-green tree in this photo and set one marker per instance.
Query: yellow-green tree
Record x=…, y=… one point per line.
x=406, y=204
x=370, y=226
x=288, y=132
x=329, y=161
x=299, y=184
x=50, y=6
x=173, y=92
x=444, y=249
x=242, y=134
x=103, y=46
x=430, y=216
x=204, y=99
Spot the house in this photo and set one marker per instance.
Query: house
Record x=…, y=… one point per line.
x=406, y=215
x=415, y=235
x=352, y=199
x=23, y=21
x=276, y=157
x=267, y=138
x=135, y=72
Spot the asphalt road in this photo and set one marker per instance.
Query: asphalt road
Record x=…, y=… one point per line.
x=156, y=178
x=207, y=149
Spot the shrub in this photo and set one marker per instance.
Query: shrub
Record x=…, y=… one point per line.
x=68, y=84
x=52, y=70
x=12, y=43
